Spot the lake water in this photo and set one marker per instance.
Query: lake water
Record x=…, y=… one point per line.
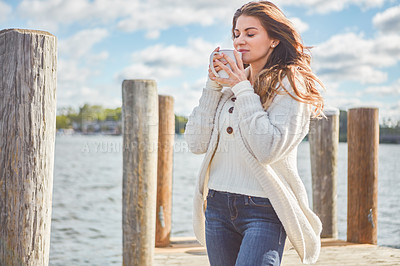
x=87, y=197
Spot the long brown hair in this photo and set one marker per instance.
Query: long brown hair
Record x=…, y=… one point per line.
x=289, y=58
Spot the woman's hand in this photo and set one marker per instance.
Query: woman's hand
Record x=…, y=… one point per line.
x=210, y=83
x=236, y=75
x=217, y=68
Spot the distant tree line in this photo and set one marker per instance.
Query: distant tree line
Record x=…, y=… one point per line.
x=96, y=118
x=68, y=116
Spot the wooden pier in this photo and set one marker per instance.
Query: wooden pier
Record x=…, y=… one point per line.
x=27, y=101
x=186, y=251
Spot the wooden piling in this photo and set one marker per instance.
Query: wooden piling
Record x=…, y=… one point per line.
x=362, y=185
x=140, y=138
x=28, y=61
x=166, y=134
x=324, y=140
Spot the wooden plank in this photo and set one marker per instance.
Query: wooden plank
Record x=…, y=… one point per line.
x=187, y=251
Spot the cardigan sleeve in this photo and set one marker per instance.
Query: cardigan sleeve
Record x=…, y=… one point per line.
x=201, y=121
x=271, y=134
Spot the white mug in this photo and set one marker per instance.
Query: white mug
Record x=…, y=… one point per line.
x=222, y=73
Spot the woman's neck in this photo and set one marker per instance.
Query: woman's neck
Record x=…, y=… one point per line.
x=257, y=66
x=254, y=70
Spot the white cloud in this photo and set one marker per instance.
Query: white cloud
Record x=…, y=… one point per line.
x=299, y=25
x=160, y=19
x=156, y=15
x=151, y=16
x=76, y=57
x=345, y=100
x=352, y=57
x=162, y=62
x=159, y=15
x=5, y=11
x=50, y=14
x=77, y=65
x=392, y=111
x=388, y=21
x=143, y=71
x=87, y=94
x=388, y=90
x=335, y=97
x=81, y=43
x=323, y=6
x=153, y=34
x=94, y=59
x=71, y=73
x=186, y=95
x=127, y=15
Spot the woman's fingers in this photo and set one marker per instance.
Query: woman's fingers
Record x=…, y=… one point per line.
x=232, y=63
x=236, y=72
x=216, y=68
x=211, y=74
x=223, y=67
x=218, y=57
x=238, y=60
x=223, y=61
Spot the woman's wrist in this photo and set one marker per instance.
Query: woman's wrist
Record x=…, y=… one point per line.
x=242, y=88
x=210, y=84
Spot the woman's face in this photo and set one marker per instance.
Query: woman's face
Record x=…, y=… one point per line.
x=252, y=40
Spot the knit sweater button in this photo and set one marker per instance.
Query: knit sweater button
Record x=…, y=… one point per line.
x=230, y=110
x=229, y=130
x=233, y=99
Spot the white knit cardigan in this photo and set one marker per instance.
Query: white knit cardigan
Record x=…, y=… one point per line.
x=268, y=141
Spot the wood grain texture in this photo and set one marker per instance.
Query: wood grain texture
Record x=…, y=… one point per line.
x=27, y=137
x=166, y=134
x=324, y=140
x=362, y=185
x=139, y=192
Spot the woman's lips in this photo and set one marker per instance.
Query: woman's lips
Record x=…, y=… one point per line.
x=243, y=51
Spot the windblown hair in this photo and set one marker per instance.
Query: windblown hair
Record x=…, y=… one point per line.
x=289, y=58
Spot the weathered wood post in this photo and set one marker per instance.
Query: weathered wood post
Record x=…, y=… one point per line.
x=362, y=185
x=324, y=140
x=140, y=142
x=166, y=134
x=28, y=61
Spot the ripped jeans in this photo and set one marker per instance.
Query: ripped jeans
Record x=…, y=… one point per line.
x=242, y=230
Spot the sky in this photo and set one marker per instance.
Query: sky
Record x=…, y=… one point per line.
x=356, y=46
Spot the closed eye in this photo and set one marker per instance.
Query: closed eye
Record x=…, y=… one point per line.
x=249, y=35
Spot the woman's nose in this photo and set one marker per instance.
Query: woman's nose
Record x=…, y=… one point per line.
x=239, y=40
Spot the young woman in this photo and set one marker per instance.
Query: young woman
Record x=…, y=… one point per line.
x=249, y=196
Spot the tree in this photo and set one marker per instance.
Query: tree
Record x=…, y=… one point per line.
x=63, y=121
x=180, y=124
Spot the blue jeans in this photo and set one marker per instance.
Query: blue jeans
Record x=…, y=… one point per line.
x=242, y=230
